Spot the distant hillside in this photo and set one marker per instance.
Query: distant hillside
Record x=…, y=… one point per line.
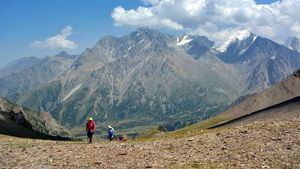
x=18, y=65
x=280, y=100
x=22, y=122
x=32, y=75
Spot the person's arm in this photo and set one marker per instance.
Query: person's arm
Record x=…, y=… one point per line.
x=86, y=127
x=94, y=128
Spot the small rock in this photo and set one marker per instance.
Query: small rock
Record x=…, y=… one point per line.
x=265, y=166
x=123, y=153
x=223, y=148
x=98, y=163
x=276, y=139
x=243, y=131
x=190, y=139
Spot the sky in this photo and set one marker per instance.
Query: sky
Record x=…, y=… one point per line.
x=46, y=27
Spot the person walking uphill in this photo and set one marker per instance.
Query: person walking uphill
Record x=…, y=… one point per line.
x=110, y=133
x=90, y=129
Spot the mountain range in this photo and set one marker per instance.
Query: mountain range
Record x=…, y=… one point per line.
x=147, y=77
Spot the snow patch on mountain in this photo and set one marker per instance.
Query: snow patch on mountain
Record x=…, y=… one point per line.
x=237, y=36
x=293, y=43
x=141, y=41
x=244, y=50
x=183, y=41
x=72, y=91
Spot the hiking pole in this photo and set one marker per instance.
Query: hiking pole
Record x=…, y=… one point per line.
x=97, y=138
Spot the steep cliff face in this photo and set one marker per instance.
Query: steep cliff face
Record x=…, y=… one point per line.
x=23, y=122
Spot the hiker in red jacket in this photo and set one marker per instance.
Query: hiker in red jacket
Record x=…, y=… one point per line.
x=90, y=129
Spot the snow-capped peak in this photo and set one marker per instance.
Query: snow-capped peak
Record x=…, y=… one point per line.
x=293, y=43
x=184, y=40
x=239, y=35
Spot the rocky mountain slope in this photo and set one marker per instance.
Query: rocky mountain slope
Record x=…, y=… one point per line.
x=22, y=122
x=138, y=79
x=148, y=77
x=262, y=61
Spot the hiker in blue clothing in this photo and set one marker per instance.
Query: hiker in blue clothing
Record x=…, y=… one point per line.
x=110, y=133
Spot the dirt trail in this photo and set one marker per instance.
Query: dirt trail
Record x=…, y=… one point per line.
x=267, y=144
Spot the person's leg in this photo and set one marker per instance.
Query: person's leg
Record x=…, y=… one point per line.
x=89, y=134
x=91, y=137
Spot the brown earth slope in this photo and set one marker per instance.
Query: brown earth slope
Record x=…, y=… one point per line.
x=290, y=108
x=264, y=144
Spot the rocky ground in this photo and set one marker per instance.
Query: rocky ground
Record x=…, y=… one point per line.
x=267, y=144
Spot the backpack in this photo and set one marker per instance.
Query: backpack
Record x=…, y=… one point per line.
x=110, y=132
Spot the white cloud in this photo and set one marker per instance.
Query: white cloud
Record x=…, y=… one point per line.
x=170, y=24
x=142, y=16
x=296, y=28
x=59, y=41
x=150, y=2
x=219, y=36
x=215, y=17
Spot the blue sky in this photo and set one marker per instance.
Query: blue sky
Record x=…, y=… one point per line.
x=26, y=25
